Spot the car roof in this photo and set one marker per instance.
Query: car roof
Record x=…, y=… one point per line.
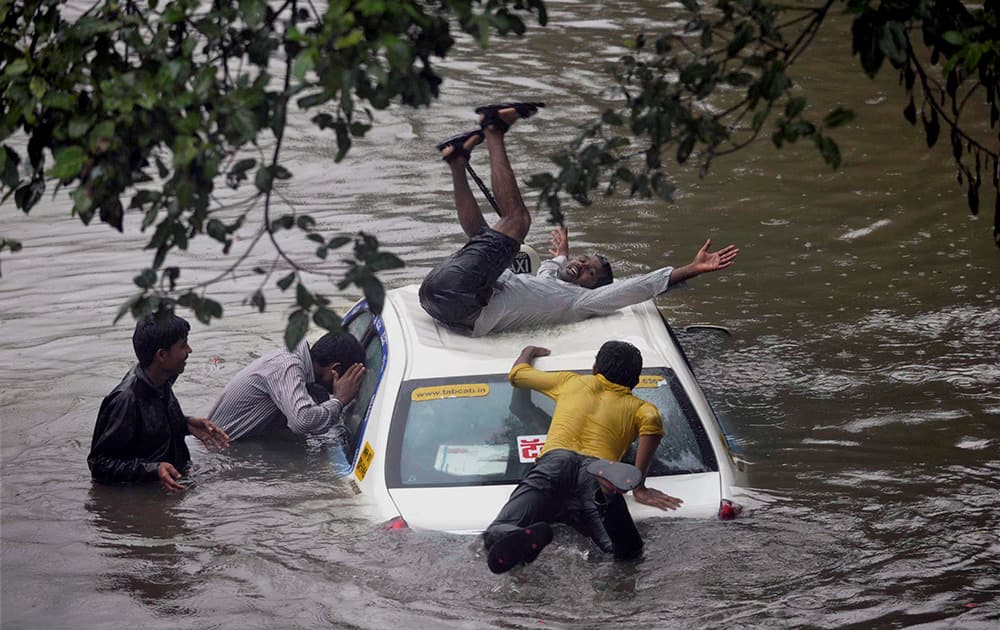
x=434, y=351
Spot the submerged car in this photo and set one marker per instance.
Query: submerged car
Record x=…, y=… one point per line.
x=440, y=438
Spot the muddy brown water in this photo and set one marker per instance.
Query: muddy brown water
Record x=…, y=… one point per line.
x=862, y=382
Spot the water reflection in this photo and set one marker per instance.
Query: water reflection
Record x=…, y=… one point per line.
x=141, y=529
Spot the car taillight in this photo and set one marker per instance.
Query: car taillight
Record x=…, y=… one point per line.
x=729, y=510
x=395, y=523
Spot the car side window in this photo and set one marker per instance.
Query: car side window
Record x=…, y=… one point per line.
x=359, y=325
x=373, y=370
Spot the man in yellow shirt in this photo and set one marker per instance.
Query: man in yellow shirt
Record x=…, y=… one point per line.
x=596, y=418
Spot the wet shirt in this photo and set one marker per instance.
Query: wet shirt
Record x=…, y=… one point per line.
x=138, y=426
x=526, y=300
x=270, y=394
x=593, y=416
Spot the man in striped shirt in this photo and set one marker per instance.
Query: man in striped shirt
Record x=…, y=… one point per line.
x=273, y=392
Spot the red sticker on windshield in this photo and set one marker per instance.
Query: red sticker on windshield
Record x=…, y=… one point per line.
x=529, y=446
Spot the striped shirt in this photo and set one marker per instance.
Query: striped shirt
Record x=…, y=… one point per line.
x=270, y=394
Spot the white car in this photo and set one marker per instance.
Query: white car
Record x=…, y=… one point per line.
x=441, y=438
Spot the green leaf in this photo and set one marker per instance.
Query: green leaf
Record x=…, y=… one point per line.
x=257, y=299
x=206, y=309
x=284, y=222
x=954, y=37
x=795, y=106
x=287, y=281
x=684, y=149
x=932, y=128
x=101, y=136
x=146, y=279
x=384, y=260
x=69, y=163
x=303, y=297
x=128, y=305
x=829, y=150
x=325, y=318
x=838, y=117
x=28, y=195
x=217, y=230
x=338, y=241
x=374, y=293
x=16, y=68
x=264, y=179
x=298, y=325
x=254, y=12
x=304, y=63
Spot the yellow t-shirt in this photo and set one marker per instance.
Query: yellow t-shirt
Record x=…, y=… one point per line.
x=593, y=416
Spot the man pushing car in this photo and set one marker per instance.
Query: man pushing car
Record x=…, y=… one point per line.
x=578, y=478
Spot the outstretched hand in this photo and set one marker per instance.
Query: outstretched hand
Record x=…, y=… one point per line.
x=655, y=498
x=529, y=353
x=207, y=431
x=705, y=261
x=560, y=242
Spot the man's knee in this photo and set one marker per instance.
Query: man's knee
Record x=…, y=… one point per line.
x=515, y=225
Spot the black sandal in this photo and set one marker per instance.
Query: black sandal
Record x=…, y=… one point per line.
x=522, y=545
x=491, y=114
x=457, y=144
x=622, y=476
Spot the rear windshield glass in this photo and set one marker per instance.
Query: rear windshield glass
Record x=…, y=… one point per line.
x=481, y=430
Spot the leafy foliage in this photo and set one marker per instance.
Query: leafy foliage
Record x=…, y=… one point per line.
x=146, y=107
x=726, y=78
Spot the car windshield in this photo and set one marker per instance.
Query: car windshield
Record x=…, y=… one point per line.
x=481, y=430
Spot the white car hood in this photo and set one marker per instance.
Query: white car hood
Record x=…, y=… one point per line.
x=470, y=509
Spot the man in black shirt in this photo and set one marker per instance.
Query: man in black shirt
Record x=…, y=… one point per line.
x=139, y=436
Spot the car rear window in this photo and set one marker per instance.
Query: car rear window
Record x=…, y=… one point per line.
x=480, y=430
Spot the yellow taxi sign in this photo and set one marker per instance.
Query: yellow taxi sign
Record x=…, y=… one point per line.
x=364, y=461
x=649, y=381
x=437, y=392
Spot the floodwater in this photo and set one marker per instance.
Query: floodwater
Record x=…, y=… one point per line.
x=862, y=381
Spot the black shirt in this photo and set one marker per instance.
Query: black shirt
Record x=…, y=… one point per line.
x=139, y=426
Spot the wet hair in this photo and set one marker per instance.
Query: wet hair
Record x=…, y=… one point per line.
x=620, y=362
x=606, y=275
x=155, y=333
x=340, y=348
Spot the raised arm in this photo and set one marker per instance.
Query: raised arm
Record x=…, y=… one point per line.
x=705, y=262
x=560, y=242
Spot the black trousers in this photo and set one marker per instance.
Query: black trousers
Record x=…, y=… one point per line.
x=558, y=488
x=455, y=292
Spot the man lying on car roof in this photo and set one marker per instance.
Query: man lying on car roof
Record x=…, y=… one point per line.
x=578, y=478
x=474, y=292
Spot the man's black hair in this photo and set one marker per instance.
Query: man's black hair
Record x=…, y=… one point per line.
x=152, y=334
x=620, y=362
x=606, y=275
x=340, y=348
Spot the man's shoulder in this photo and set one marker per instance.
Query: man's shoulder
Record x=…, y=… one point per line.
x=123, y=395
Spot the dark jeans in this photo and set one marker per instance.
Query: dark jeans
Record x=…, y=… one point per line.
x=456, y=291
x=558, y=488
